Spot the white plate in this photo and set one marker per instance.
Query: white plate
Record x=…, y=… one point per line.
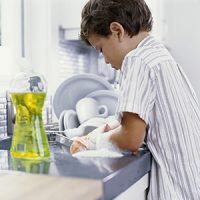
x=61, y=121
x=70, y=120
x=106, y=97
x=75, y=88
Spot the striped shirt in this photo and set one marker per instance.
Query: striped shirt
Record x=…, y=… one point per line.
x=155, y=87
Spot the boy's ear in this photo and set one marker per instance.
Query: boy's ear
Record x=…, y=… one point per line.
x=117, y=29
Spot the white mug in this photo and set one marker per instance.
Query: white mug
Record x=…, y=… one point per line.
x=88, y=108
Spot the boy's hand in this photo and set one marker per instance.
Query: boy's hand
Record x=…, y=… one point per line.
x=79, y=144
x=88, y=142
x=106, y=128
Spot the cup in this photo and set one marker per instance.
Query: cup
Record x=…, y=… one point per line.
x=88, y=108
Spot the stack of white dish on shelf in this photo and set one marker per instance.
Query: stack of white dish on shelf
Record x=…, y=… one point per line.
x=75, y=88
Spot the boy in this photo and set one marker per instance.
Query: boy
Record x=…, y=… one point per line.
x=156, y=99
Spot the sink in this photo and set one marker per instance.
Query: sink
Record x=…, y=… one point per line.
x=57, y=143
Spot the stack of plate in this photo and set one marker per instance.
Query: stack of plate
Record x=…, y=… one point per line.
x=84, y=85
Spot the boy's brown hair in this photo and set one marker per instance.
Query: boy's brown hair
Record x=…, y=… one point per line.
x=133, y=15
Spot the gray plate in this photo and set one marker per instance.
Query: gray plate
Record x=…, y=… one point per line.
x=106, y=97
x=75, y=88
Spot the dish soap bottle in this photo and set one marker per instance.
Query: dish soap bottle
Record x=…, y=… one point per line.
x=28, y=92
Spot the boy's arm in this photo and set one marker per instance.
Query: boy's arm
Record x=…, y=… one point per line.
x=89, y=141
x=127, y=136
x=131, y=133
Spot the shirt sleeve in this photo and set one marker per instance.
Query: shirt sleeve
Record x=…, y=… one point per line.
x=137, y=89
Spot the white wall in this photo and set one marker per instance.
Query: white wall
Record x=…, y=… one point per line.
x=182, y=36
x=37, y=37
x=10, y=51
x=156, y=10
x=42, y=21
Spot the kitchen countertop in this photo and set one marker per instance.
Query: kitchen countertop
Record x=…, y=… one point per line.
x=115, y=174
x=16, y=185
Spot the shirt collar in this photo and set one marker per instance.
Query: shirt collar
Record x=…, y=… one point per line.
x=144, y=42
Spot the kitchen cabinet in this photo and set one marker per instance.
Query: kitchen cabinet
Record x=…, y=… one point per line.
x=137, y=191
x=67, y=15
x=69, y=12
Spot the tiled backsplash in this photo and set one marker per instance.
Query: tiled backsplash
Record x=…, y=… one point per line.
x=3, y=115
x=75, y=57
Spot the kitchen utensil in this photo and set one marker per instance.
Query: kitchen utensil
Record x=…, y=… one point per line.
x=88, y=108
x=70, y=119
x=61, y=121
x=106, y=97
x=76, y=87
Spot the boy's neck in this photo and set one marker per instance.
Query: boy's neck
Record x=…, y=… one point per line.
x=135, y=40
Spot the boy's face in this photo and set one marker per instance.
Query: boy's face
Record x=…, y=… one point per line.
x=112, y=50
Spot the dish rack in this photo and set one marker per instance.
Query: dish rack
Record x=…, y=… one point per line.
x=55, y=136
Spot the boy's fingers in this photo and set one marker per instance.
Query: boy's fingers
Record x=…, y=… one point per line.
x=81, y=140
x=135, y=153
x=78, y=144
x=107, y=128
x=76, y=147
